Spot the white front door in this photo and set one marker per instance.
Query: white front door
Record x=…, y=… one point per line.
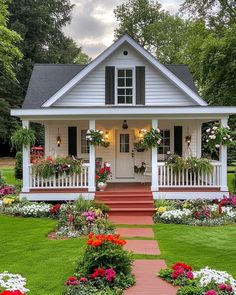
x=125, y=154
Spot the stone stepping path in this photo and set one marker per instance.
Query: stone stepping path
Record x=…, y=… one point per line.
x=148, y=247
x=147, y=282
x=135, y=232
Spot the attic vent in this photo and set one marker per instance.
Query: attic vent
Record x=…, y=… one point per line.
x=125, y=52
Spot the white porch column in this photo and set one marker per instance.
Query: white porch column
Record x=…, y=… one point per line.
x=92, y=159
x=223, y=160
x=154, y=186
x=26, y=162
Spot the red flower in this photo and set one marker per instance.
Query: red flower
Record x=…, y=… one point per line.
x=98, y=240
x=102, y=170
x=55, y=209
x=225, y=287
x=15, y=292
x=98, y=272
x=181, y=264
x=72, y=281
x=83, y=280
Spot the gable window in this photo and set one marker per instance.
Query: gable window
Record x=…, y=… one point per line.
x=125, y=90
x=84, y=142
x=164, y=147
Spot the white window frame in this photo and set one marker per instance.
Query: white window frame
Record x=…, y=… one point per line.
x=164, y=146
x=82, y=145
x=133, y=86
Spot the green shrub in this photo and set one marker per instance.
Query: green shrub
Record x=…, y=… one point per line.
x=190, y=290
x=18, y=166
x=2, y=180
x=23, y=137
x=103, y=207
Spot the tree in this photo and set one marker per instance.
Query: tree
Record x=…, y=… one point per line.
x=218, y=13
x=155, y=29
x=9, y=52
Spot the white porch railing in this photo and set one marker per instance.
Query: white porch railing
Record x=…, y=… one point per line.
x=168, y=178
x=61, y=181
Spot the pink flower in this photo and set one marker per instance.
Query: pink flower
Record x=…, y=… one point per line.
x=211, y=292
x=110, y=274
x=83, y=280
x=189, y=275
x=225, y=287
x=233, y=200
x=72, y=281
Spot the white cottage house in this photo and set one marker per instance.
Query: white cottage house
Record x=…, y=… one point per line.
x=127, y=87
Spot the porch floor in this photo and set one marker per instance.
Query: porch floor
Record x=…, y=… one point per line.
x=128, y=186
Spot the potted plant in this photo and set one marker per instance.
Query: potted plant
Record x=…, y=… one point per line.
x=139, y=146
x=95, y=137
x=102, y=176
x=140, y=169
x=22, y=137
x=152, y=138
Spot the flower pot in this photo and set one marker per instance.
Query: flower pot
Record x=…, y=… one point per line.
x=101, y=186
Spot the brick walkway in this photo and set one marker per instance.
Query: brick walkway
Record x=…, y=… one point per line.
x=147, y=282
x=145, y=270
x=135, y=232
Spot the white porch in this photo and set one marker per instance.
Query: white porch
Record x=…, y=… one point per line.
x=162, y=180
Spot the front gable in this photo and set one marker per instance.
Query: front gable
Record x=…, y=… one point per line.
x=161, y=86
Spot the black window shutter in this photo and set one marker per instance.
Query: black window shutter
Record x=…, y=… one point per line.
x=178, y=140
x=140, y=85
x=72, y=141
x=110, y=85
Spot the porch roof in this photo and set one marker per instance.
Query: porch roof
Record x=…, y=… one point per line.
x=118, y=112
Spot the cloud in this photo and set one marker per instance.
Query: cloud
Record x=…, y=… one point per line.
x=93, y=23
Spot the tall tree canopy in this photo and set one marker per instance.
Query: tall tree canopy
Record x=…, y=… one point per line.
x=40, y=24
x=217, y=13
x=155, y=29
x=9, y=52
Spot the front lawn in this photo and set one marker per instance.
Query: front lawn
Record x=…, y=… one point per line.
x=9, y=175
x=26, y=250
x=198, y=246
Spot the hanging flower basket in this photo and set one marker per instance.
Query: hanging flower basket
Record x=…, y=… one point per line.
x=152, y=138
x=217, y=136
x=95, y=137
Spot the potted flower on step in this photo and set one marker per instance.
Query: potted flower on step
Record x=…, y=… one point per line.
x=102, y=176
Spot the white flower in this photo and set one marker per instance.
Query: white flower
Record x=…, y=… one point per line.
x=208, y=130
x=213, y=137
x=214, y=128
x=231, y=139
x=100, y=131
x=107, y=164
x=212, y=132
x=13, y=282
x=228, y=127
x=168, y=153
x=88, y=131
x=206, y=276
x=228, y=136
x=207, y=140
x=224, y=138
x=177, y=214
x=217, y=146
x=158, y=130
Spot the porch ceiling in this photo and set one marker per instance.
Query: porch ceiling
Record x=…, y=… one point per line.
x=113, y=112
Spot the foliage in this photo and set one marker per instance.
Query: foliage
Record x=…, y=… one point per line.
x=104, y=266
x=2, y=180
x=9, y=53
x=206, y=281
x=104, y=173
x=192, y=164
x=140, y=169
x=152, y=138
x=155, y=29
x=139, y=146
x=49, y=167
x=6, y=190
x=18, y=166
x=218, y=13
x=23, y=137
x=95, y=137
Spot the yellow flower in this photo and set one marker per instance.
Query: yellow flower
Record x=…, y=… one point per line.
x=161, y=209
x=185, y=205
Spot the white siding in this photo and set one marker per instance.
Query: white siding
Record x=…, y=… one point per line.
x=91, y=90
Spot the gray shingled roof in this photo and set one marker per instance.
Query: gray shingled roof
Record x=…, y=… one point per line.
x=47, y=79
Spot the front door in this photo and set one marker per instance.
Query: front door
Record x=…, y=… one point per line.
x=124, y=154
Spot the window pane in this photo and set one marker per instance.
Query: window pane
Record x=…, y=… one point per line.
x=128, y=91
x=84, y=142
x=128, y=73
x=124, y=143
x=129, y=82
x=121, y=99
x=128, y=99
x=121, y=73
x=121, y=91
x=121, y=82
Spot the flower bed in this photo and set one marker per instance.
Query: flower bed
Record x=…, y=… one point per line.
x=197, y=212
x=74, y=218
x=104, y=269
x=12, y=284
x=203, y=282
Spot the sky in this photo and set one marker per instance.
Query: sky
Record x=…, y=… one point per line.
x=93, y=23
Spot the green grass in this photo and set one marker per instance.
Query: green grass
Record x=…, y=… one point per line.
x=26, y=250
x=198, y=246
x=8, y=173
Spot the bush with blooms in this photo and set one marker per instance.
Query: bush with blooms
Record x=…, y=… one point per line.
x=152, y=138
x=104, y=266
x=13, y=284
x=95, y=137
x=217, y=136
x=203, y=282
x=104, y=174
x=197, y=212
